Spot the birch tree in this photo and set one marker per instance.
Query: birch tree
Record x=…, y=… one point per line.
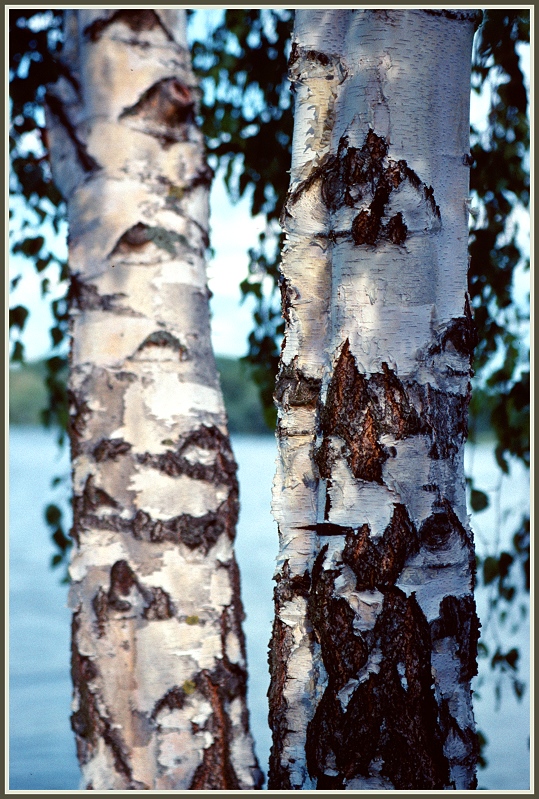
x=158, y=653
x=375, y=633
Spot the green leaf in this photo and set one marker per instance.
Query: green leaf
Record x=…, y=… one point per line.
x=478, y=500
x=53, y=515
x=60, y=540
x=30, y=247
x=18, y=316
x=519, y=689
x=17, y=356
x=490, y=569
x=57, y=335
x=512, y=657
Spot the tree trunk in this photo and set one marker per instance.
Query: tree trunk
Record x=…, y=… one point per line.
x=158, y=653
x=375, y=634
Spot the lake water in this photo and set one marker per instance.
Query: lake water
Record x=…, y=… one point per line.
x=42, y=749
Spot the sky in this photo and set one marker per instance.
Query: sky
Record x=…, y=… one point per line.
x=232, y=232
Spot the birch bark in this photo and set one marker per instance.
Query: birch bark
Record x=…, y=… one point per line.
x=158, y=653
x=375, y=633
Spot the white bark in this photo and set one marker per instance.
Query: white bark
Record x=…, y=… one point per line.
x=373, y=390
x=158, y=656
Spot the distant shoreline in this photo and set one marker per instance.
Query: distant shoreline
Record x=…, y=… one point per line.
x=28, y=396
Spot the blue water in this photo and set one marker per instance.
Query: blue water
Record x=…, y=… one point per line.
x=42, y=749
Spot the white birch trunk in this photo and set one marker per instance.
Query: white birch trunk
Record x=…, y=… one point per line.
x=158, y=654
x=375, y=634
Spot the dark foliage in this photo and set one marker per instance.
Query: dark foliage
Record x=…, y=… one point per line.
x=34, y=40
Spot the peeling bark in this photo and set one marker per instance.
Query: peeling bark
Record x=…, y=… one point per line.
x=375, y=635
x=158, y=653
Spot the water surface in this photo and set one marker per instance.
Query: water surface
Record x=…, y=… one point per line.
x=42, y=749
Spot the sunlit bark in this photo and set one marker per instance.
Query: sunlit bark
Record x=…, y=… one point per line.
x=375, y=634
x=158, y=654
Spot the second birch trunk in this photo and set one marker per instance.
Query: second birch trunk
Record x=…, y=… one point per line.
x=375, y=633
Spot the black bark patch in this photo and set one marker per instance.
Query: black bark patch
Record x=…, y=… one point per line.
x=316, y=55
x=443, y=523
x=137, y=20
x=288, y=586
x=160, y=605
x=392, y=716
x=166, y=110
x=281, y=645
x=162, y=338
x=174, y=699
x=458, y=620
x=366, y=177
x=343, y=652
x=288, y=296
x=348, y=414
x=349, y=174
x=88, y=723
x=231, y=678
x=198, y=532
x=394, y=405
x=175, y=463
x=157, y=604
x=234, y=615
x=396, y=229
x=365, y=228
x=437, y=532
x=110, y=449
x=295, y=51
x=86, y=297
x=136, y=236
x=122, y=580
x=91, y=499
x=460, y=334
x=216, y=771
x=79, y=413
x=141, y=234
x=100, y=607
x=327, y=528
x=142, y=523
x=310, y=55
x=193, y=531
x=378, y=564
x=445, y=419
x=294, y=389
x=359, y=410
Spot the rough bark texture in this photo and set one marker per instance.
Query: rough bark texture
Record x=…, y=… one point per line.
x=375, y=634
x=158, y=653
